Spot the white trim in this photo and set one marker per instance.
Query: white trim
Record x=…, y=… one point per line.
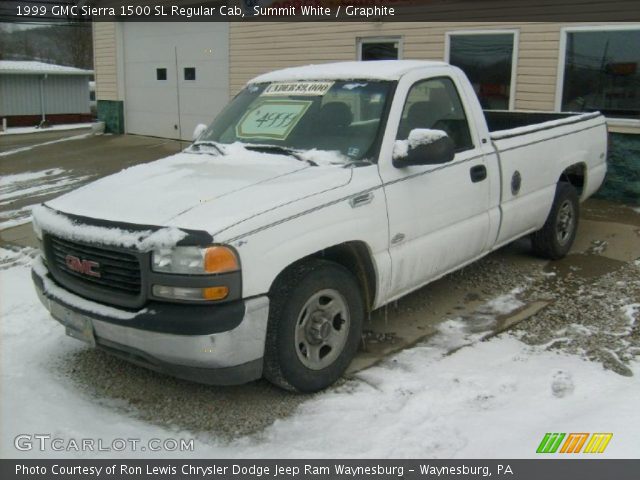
x=389, y=39
x=120, y=61
x=514, y=57
x=623, y=122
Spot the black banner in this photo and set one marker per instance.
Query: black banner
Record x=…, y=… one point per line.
x=566, y=469
x=34, y=11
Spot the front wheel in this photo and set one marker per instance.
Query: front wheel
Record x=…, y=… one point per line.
x=315, y=325
x=555, y=238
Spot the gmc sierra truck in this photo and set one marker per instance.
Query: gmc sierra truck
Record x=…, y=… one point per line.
x=319, y=194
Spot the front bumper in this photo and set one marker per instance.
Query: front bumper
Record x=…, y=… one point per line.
x=217, y=344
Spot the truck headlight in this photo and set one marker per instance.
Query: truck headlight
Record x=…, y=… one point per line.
x=195, y=260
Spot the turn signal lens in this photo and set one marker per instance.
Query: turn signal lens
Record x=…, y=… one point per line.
x=219, y=260
x=215, y=293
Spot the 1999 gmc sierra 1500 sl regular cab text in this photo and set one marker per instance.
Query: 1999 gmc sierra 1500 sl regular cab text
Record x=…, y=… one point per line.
x=320, y=193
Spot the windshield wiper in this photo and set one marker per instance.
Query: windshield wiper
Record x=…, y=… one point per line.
x=196, y=146
x=279, y=149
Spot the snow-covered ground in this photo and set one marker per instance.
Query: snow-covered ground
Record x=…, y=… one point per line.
x=494, y=398
x=24, y=130
x=31, y=186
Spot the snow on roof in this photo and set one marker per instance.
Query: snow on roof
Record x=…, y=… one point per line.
x=378, y=70
x=29, y=67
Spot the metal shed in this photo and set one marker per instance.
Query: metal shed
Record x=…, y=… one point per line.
x=33, y=92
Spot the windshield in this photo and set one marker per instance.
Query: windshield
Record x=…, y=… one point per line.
x=340, y=116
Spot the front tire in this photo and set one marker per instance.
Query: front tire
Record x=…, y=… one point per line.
x=315, y=326
x=555, y=238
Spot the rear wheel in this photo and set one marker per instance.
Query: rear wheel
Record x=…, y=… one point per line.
x=555, y=238
x=315, y=325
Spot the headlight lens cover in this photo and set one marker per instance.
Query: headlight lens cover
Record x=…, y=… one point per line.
x=195, y=260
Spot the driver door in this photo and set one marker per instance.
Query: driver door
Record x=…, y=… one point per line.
x=438, y=214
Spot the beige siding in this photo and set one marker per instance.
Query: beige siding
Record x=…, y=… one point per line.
x=256, y=48
x=105, y=60
x=259, y=47
x=324, y=42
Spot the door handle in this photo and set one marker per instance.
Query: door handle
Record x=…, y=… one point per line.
x=478, y=173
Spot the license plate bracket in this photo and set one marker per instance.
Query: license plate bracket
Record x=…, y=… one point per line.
x=76, y=325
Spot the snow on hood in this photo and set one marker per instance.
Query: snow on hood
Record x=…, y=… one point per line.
x=144, y=240
x=199, y=191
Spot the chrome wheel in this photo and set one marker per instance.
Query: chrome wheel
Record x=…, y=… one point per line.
x=565, y=222
x=322, y=329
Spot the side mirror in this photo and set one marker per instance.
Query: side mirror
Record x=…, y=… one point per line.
x=201, y=127
x=423, y=147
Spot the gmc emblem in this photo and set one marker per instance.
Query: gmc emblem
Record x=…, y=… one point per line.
x=86, y=267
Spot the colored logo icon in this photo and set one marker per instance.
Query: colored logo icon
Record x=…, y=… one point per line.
x=574, y=442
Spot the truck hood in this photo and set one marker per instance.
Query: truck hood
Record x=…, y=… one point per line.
x=201, y=191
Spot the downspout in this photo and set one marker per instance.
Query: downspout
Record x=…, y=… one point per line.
x=43, y=101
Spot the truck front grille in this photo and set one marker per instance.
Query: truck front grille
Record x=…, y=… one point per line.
x=113, y=271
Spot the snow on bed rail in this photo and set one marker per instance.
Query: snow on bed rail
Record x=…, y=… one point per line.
x=142, y=240
x=573, y=118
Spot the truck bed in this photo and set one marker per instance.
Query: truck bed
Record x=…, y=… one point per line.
x=505, y=124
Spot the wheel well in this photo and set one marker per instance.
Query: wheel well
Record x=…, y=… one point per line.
x=576, y=176
x=355, y=257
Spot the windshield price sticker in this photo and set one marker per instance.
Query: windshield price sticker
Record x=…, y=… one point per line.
x=272, y=119
x=298, y=88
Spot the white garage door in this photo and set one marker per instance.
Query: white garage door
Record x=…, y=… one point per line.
x=176, y=75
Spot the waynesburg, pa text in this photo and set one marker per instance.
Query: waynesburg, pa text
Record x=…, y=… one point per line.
x=293, y=471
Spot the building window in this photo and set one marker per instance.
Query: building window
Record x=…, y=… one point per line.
x=599, y=70
x=379, y=49
x=489, y=60
x=161, y=73
x=190, y=73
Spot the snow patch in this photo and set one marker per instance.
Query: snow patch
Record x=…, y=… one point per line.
x=324, y=157
x=380, y=70
x=144, y=241
x=417, y=136
x=353, y=86
x=506, y=303
x=25, y=177
x=68, y=126
x=18, y=190
x=630, y=311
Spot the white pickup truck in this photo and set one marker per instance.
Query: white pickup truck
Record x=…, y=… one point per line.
x=319, y=194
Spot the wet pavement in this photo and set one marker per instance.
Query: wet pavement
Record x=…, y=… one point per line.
x=46, y=170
